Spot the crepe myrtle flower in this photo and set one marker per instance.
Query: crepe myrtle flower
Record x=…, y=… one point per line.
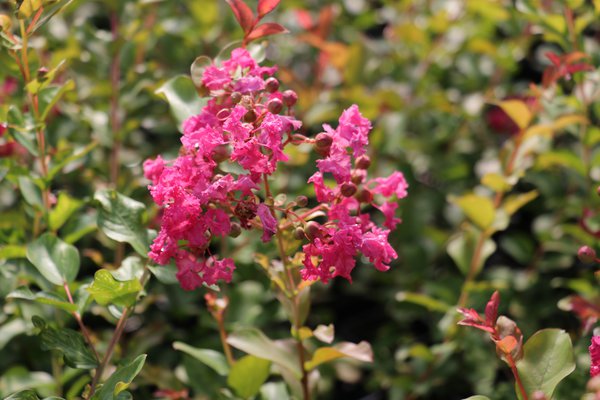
x=248, y=122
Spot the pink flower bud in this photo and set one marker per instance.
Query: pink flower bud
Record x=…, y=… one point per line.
x=289, y=98
x=275, y=106
x=363, y=162
x=348, y=189
x=586, y=254
x=271, y=85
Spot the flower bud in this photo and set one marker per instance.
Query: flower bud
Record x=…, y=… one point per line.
x=236, y=230
x=220, y=153
x=236, y=97
x=299, y=233
x=42, y=72
x=357, y=176
x=323, y=141
x=348, y=189
x=250, y=116
x=363, y=162
x=302, y=201
x=312, y=230
x=275, y=106
x=586, y=254
x=364, y=196
x=289, y=98
x=538, y=395
x=271, y=85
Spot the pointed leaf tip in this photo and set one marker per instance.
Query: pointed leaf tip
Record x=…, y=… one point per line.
x=243, y=14
x=266, y=6
x=266, y=29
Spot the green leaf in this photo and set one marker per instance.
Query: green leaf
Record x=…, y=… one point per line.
x=513, y=203
x=247, y=375
x=462, y=247
x=120, y=218
x=131, y=268
x=56, y=260
x=256, y=343
x=182, y=97
x=31, y=192
x=67, y=341
x=211, y=358
x=361, y=351
x=12, y=251
x=65, y=207
x=518, y=111
x=274, y=391
x=547, y=359
x=479, y=209
x=51, y=95
x=74, y=157
x=120, y=380
x=22, y=129
x=10, y=329
x=51, y=299
x=23, y=395
x=423, y=300
x=478, y=397
x=28, y=7
x=105, y=289
x=325, y=333
x=166, y=274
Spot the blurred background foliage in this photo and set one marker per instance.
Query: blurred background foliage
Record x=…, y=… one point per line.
x=426, y=73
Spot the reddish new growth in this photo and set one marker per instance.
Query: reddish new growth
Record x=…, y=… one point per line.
x=564, y=66
x=503, y=331
x=246, y=124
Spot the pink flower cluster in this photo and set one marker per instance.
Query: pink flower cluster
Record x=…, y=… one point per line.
x=335, y=244
x=198, y=202
x=247, y=122
x=595, y=356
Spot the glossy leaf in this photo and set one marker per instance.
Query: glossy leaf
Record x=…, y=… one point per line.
x=361, y=351
x=12, y=251
x=68, y=342
x=462, y=247
x=243, y=14
x=266, y=29
x=518, y=111
x=247, y=375
x=479, y=209
x=547, y=359
x=28, y=7
x=513, y=203
x=266, y=6
x=256, y=343
x=23, y=395
x=166, y=274
x=182, y=97
x=478, y=397
x=325, y=333
x=211, y=358
x=51, y=299
x=56, y=260
x=65, y=207
x=120, y=379
x=105, y=289
x=121, y=219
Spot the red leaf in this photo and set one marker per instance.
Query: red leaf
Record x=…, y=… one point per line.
x=266, y=29
x=266, y=6
x=304, y=19
x=243, y=14
x=491, y=309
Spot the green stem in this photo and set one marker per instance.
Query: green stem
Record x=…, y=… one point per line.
x=295, y=302
x=114, y=340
